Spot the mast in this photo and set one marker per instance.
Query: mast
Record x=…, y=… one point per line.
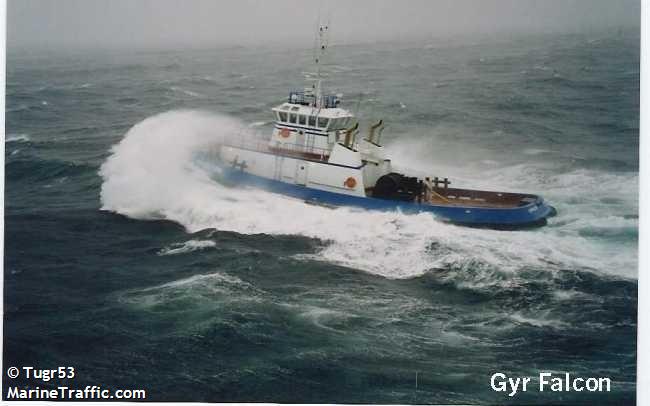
x=322, y=44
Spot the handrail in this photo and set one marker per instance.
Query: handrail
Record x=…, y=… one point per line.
x=307, y=99
x=262, y=145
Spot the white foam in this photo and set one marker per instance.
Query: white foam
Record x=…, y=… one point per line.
x=153, y=173
x=17, y=138
x=186, y=247
x=201, y=279
x=215, y=287
x=540, y=320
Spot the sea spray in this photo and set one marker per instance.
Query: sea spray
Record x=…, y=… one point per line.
x=150, y=173
x=156, y=172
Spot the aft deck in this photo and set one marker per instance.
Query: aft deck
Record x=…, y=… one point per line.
x=478, y=198
x=472, y=198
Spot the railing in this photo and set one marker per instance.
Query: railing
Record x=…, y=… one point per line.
x=302, y=98
x=262, y=145
x=305, y=99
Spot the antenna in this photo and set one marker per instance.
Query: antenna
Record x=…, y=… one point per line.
x=356, y=108
x=322, y=39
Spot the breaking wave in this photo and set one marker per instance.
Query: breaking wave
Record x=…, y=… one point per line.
x=187, y=247
x=17, y=138
x=154, y=173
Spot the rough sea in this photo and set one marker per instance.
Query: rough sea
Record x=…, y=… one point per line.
x=128, y=260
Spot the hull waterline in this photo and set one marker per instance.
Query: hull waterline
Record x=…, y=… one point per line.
x=530, y=215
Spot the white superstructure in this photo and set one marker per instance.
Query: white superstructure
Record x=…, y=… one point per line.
x=314, y=143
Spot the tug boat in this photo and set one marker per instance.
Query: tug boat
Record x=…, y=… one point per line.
x=315, y=154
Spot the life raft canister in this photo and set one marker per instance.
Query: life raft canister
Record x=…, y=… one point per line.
x=350, y=182
x=285, y=133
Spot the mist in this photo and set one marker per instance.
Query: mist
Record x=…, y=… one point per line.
x=47, y=24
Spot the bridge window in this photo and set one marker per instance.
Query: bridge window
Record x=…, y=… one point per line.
x=283, y=116
x=339, y=123
x=312, y=121
x=292, y=118
x=302, y=120
x=323, y=122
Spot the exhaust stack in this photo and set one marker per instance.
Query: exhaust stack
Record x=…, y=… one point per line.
x=350, y=135
x=375, y=132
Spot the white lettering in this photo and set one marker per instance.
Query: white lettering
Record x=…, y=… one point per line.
x=28, y=370
x=498, y=386
x=500, y=382
x=556, y=385
x=543, y=381
x=13, y=393
x=604, y=380
x=593, y=388
x=575, y=385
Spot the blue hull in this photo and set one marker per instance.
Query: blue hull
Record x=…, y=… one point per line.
x=532, y=214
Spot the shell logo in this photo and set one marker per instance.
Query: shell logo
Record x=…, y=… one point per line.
x=285, y=133
x=350, y=182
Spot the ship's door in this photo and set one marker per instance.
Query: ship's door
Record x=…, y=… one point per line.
x=310, y=143
x=301, y=172
x=300, y=141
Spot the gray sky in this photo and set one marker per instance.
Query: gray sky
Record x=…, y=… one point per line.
x=199, y=23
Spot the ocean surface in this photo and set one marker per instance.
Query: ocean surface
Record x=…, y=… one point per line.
x=128, y=260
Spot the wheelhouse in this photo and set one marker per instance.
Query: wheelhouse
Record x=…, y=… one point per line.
x=306, y=116
x=305, y=124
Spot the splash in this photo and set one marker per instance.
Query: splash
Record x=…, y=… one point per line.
x=187, y=247
x=153, y=173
